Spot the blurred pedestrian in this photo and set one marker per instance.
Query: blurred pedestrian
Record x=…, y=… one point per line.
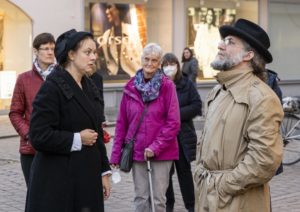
x=189, y=64
x=190, y=106
x=27, y=85
x=70, y=171
x=241, y=146
x=156, y=137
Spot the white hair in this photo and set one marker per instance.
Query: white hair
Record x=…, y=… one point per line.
x=152, y=48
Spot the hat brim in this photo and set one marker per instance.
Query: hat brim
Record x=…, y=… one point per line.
x=229, y=30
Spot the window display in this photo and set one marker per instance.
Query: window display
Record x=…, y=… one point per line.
x=203, y=34
x=1, y=39
x=120, y=31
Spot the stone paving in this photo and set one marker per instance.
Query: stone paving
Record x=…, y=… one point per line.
x=285, y=188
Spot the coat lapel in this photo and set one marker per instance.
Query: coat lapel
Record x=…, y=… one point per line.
x=86, y=97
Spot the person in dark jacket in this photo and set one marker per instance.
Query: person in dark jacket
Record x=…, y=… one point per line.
x=190, y=106
x=27, y=85
x=70, y=171
x=272, y=81
x=190, y=64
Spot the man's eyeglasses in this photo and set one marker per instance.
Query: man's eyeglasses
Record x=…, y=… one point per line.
x=227, y=41
x=47, y=49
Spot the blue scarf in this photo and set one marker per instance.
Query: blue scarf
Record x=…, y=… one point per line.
x=148, y=90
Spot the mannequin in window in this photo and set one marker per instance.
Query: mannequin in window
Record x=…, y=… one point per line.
x=205, y=44
x=120, y=45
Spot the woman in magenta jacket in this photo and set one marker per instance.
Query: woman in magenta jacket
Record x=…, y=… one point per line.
x=156, y=137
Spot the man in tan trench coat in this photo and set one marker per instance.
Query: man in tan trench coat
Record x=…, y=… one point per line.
x=241, y=147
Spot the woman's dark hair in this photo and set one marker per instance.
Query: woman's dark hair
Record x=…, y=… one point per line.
x=122, y=8
x=41, y=39
x=183, y=59
x=171, y=58
x=213, y=16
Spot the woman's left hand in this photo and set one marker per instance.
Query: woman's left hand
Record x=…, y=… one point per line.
x=148, y=153
x=106, y=186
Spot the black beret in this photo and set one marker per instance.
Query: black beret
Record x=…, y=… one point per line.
x=67, y=41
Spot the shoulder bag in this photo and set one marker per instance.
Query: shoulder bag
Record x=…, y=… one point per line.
x=127, y=152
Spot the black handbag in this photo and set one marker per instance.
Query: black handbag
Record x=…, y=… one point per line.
x=127, y=152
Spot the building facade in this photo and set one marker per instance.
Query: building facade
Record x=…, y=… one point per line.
x=174, y=24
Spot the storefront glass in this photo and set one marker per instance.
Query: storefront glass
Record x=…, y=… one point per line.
x=15, y=48
x=123, y=29
x=203, y=20
x=284, y=30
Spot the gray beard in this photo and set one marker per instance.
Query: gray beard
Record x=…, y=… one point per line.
x=227, y=63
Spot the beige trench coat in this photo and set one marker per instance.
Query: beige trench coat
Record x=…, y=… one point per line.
x=241, y=147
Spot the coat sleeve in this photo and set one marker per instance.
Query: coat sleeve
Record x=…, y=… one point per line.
x=105, y=162
x=171, y=126
x=17, y=109
x=194, y=106
x=120, y=131
x=194, y=68
x=264, y=149
x=45, y=132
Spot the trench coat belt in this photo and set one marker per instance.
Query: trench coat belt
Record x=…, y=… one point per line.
x=208, y=173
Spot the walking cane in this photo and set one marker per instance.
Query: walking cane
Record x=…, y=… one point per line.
x=150, y=184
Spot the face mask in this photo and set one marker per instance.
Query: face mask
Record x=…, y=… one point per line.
x=170, y=70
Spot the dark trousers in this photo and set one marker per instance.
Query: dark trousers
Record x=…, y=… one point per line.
x=26, y=161
x=186, y=184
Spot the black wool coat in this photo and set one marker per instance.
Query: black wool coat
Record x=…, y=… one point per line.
x=61, y=180
x=190, y=106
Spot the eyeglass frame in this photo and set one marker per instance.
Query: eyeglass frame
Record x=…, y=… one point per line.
x=46, y=49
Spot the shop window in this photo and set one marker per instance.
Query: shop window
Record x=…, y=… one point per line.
x=203, y=20
x=15, y=48
x=123, y=29
x=284, y=31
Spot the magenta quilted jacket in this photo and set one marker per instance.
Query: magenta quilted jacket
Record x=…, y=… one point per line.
x=159, y=127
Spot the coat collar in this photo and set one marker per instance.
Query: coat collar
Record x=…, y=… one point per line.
x=237, y=82
x=85, y=97
x=35, y=71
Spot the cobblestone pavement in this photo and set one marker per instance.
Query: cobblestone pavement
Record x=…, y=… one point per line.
x=285, y=188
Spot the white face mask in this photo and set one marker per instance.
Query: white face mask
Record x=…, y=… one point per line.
x=170, y=70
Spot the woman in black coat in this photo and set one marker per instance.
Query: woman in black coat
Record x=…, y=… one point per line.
x=70, y=172
x=190, y=106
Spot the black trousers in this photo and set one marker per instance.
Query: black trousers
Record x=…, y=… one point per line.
x=186, y=184
x=26, y=161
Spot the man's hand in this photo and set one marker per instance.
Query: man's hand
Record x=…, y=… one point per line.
x=106, y=186
x=88, y=137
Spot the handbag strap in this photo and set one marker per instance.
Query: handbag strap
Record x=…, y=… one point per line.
x=140, y=122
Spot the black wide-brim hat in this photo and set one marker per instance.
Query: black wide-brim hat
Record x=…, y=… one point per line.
x=253, y=34
x=67, y=41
